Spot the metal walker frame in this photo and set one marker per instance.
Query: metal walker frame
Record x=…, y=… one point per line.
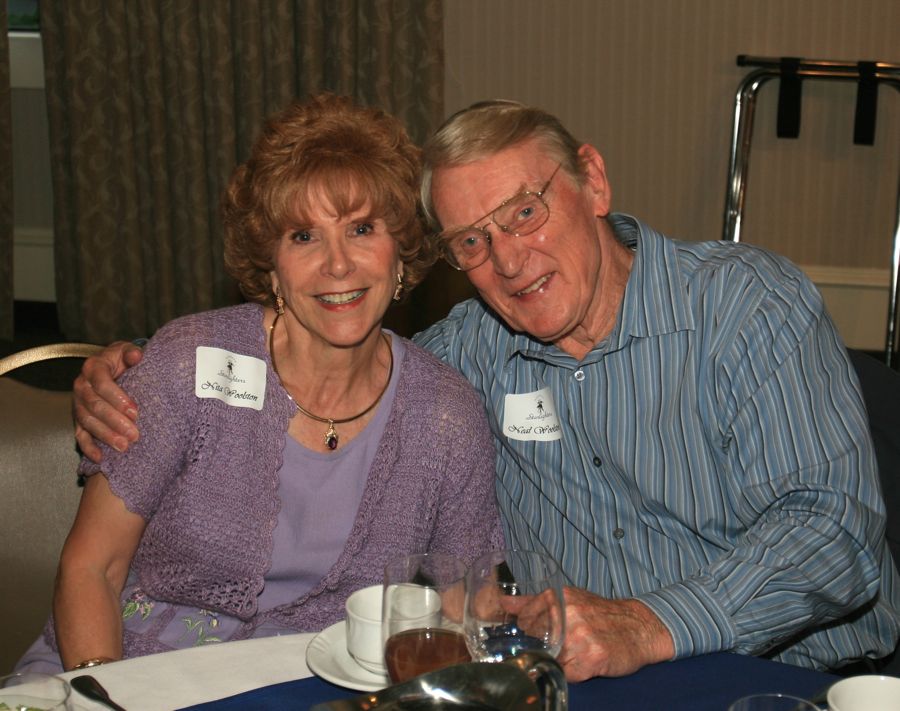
x=791, y=70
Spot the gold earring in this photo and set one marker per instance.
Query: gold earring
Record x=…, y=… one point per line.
x=279, y=303
x=398, y=290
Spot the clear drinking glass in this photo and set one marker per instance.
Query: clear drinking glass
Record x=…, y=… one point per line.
x=422, y=612
x=514, y=604
x=772, y=702
x=30, y=690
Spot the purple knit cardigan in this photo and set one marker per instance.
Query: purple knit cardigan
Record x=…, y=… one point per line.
x=204, y=475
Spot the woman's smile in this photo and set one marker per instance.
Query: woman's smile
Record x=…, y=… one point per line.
x=341, y=298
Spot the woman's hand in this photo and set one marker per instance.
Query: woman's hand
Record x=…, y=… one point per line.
x=100, y=407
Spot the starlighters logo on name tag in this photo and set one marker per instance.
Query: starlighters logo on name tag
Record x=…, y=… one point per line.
x=236, y=379
x=531, y=416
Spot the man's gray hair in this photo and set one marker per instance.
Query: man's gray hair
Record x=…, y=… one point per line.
x=488, y=127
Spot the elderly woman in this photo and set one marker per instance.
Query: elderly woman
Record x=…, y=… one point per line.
x=289, y=446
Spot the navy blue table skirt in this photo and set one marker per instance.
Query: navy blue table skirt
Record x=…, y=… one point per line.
x=707, y=683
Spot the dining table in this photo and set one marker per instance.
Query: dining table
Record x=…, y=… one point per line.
x=272, y=673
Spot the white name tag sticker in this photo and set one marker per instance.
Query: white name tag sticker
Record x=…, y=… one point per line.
x=531, y=416
x=236, y=379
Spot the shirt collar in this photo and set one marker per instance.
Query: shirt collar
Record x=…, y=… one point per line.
x=655, y=300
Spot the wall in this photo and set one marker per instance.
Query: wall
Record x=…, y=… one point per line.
x=651, y=83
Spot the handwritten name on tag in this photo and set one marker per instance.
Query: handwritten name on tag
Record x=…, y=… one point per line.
x=236, y=379
x=531, y=416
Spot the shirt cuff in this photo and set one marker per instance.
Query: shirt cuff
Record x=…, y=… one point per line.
x=694, y=618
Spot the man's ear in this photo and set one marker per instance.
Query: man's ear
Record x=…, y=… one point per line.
x=594, y=171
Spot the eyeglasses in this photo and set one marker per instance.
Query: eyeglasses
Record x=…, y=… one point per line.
x=465, y=248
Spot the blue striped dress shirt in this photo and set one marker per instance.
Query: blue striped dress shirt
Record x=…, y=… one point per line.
x=711, y=456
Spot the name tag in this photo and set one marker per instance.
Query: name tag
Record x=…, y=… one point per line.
x=233, y=378
x=531, y=416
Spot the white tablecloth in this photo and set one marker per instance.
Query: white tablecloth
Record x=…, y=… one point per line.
x=191, y=676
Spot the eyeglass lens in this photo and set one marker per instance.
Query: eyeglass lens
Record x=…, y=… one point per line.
x=520, y=216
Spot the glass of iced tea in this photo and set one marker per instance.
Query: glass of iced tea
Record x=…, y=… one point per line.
x=422, y=613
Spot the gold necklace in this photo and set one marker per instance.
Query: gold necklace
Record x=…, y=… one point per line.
x=331, y=435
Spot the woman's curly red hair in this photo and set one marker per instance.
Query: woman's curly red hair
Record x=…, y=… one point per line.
x=324, y=147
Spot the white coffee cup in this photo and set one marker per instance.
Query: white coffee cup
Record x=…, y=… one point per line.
x=364, y=629
x=865, y=693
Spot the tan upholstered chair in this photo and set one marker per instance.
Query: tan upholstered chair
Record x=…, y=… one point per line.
x=38, y=496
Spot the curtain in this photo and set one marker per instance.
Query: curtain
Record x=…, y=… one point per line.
x=6, y=187
x=151, y=104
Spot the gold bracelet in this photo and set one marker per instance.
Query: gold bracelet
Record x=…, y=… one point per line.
x=95, y=662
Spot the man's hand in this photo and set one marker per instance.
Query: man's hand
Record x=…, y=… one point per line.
x=100, y=407
x=610, y=637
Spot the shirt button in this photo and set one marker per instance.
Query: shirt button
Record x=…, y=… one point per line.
x=579, y=375
x=597, y=461
x=618, y=533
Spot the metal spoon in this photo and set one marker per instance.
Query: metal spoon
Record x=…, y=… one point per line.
x=90, y=687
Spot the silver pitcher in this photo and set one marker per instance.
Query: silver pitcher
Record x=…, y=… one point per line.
x=527, y=682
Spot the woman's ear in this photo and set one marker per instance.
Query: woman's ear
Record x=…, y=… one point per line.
x=594, y=170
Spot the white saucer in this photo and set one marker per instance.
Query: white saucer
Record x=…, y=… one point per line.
x=327, y=657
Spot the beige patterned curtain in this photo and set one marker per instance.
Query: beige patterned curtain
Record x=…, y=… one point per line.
x=152, y=103
x=6, y=187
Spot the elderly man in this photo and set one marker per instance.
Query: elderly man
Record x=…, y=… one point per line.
x=677, y=423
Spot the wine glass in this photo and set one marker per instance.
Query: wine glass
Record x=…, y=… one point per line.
x=33, y=690
x=772, y=702
x=514, y=604
x=422, y=611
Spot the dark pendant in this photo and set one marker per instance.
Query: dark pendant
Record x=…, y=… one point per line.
x=331, y=436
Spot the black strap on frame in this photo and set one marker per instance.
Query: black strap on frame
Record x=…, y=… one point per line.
x=866, y=105
x=789, y=95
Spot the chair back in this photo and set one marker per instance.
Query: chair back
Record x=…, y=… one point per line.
x=881, y=392
x=38, y=496
x=47, y=352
